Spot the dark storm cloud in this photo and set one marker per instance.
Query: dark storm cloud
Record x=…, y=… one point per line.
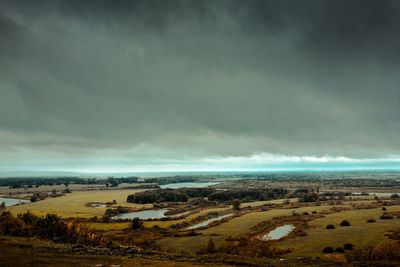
x=219, y=77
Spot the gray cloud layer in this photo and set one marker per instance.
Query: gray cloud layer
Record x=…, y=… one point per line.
x=208, y=77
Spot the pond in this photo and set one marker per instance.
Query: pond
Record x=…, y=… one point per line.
x=182, y=185
x=13, y=201
x=144, y=214
x=278, y=232
x=205, y=223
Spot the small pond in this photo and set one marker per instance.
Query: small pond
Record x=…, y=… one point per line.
x=182, y=185
x=13, y=201
x=278, y=232
x=99, y=205
x=205, y=223
x=144, y=214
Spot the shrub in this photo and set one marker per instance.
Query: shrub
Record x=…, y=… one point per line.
x=383, y=208
x=395, y=196
x=339, y=250
x=314, y=212
x=345, y=223
x=328, y=250
x=371, y=220
x=305, y=213
x=348, y=246
x=386, y=217
x=330, y=226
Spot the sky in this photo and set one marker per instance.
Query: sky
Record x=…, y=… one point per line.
x=213, y=85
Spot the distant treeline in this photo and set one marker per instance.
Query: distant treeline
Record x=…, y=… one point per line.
x=39, y=181
x=184, y=194
x=109, y=182
x=177, y=179
x=248, y=195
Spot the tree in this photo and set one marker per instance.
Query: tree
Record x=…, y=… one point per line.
x=210, y=246
x=3, y=206
x=67, y=190
x=236, y=204
x=136, y=223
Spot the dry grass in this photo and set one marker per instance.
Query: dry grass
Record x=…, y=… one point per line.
x=73, y=204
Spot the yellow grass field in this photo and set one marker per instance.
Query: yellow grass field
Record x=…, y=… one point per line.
x=73, y=204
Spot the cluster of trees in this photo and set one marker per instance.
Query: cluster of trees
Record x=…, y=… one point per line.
x=157, y=196
x=38, y=196
x=169, y=195
x=305, y=195
x=248, y=194
x=184, y=194
x=50, y=227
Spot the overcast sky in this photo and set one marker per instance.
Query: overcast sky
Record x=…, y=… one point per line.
x=199, y=85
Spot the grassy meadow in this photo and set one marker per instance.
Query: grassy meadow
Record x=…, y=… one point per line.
x=359, y=233
x=235, y=226
x=73, y=204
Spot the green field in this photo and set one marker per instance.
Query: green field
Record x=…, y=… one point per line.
x=360, y=233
